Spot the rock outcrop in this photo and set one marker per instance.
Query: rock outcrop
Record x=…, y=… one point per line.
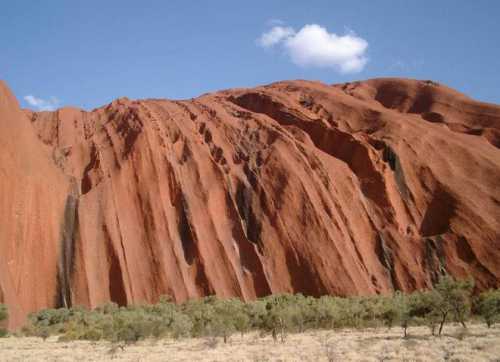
x=298, y=186
x=33, y=196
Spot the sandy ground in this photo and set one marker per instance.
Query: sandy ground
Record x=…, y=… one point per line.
x=477, y=344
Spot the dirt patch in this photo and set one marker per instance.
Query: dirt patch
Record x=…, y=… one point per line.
x=476, y=344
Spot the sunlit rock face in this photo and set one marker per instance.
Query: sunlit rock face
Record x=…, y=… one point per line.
x=298, y=186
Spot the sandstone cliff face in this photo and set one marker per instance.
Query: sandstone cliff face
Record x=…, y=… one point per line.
x=298, y=186
x=33, y=198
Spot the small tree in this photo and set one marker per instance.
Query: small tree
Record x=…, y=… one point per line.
x=326, y=312
x=256, y=312
x=181, y=325
x=401, y=311
x=240, y=318
x=200, y=312
x=351, y=312
x=220, y=326
x=452, y=297
x=281, y=314
x=423, y=309
x=488, y=306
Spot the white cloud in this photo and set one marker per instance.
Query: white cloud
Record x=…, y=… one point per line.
x=41, y=104
x=314, y=46
x=276, y=35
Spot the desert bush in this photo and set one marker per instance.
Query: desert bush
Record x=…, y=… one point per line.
x=422, y=309
x=488, y=306
x=400, y=311
x=107, y=308
x=234, y=314
x=349, y=312
x=370, y=311
x=276, y=314
x=256, y=312
x=290, y=313
x=214, y=317
x=222, y=322
x=326, y=312
x=181, y=325
x=390, y=312
x=48, y=321
x=51, y=317
x=201, y=313
x=129, y=327
x=3, y=317
x=382, y=310
x=452, y=297
x=3, y=312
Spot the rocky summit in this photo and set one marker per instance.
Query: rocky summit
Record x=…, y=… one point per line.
x=295, y=187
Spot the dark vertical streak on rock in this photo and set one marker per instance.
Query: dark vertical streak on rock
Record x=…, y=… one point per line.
x=117, y=292
x=434, y=258
x=386, y=258
x=245, y=209
x=392, y=159
x=185, y=231
x=249, y=256
x=94, y=164
x=69, y=234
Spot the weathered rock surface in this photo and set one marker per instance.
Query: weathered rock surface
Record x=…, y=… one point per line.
x=33, y=195
x=298, y=186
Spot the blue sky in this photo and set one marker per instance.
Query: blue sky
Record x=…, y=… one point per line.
x=87, y=53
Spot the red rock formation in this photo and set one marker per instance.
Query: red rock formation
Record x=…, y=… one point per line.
x=33, y=193
x=298, y=186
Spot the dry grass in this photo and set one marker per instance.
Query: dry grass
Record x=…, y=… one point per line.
x=476, y=344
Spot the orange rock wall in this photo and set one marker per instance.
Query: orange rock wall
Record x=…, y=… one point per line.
x=298, y=186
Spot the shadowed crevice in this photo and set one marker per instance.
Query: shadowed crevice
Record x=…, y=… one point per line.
x=249, y=256
x=392, y=159
x=439, y=212
x=188, y=239
x=434, y=258
x=253, y=227
x=117, y=292
x=69, y=234
x=386, y=258
x=92, y=174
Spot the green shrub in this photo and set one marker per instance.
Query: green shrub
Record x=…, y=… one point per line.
x=181, y=325
x=452, y=297
x=213, y=317
x=230, y=316
x=255, y=311
x=274, y=318
x=284, y=313
x=488, y=306
x=3, y=312
x=201, y=313
x=276, y=314
x=325, y=313
x=4, y=315
x=423, y=309
x=400, y=310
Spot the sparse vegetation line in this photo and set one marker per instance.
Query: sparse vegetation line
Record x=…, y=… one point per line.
x=276, y=315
